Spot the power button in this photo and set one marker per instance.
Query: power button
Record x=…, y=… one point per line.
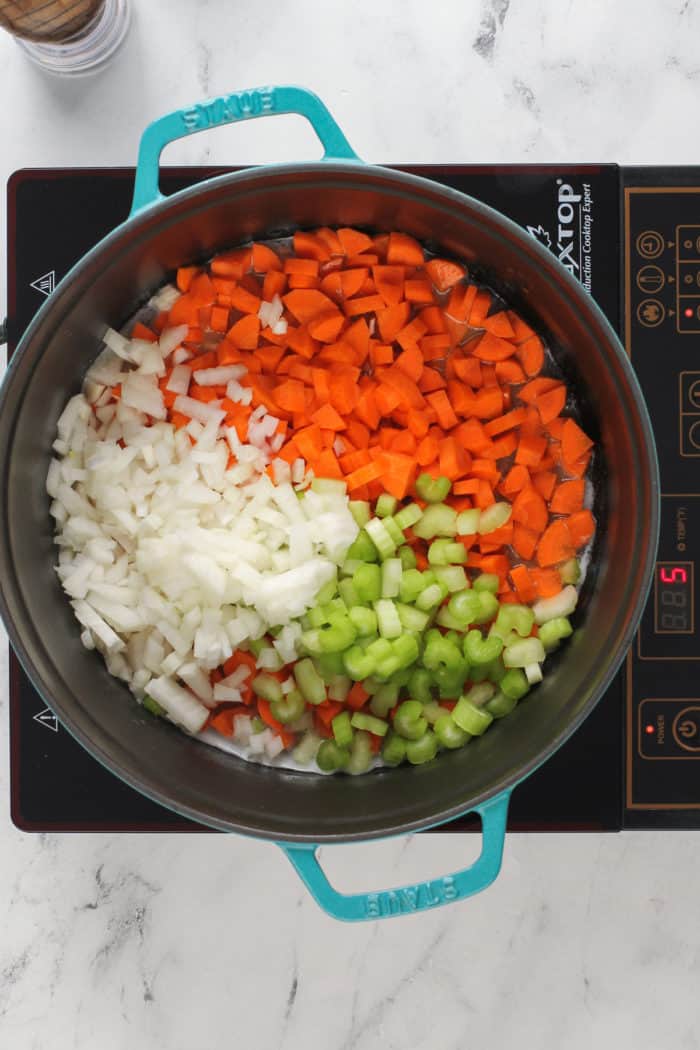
x=686, y=728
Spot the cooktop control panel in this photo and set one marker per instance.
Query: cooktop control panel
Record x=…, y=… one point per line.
x=661, y=293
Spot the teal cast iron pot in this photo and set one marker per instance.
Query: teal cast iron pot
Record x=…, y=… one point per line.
x=296, y=810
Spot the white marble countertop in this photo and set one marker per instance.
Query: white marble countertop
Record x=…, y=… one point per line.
x=196, y=943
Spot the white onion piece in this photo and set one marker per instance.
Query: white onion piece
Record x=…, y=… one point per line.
x=180, y=704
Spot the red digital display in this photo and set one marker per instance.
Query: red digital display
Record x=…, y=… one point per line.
x=674, y=599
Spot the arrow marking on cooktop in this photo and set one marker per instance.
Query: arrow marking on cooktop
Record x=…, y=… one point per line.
x=46, y=283
x=47, y=719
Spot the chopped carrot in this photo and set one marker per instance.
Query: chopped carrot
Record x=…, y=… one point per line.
x=444, y=273
x=547, y=582
x=490, y=347
x=245, y=333
x=581, y=526
x=531, y=355
x=555, y=545
x=353, y=242
x=404, y=250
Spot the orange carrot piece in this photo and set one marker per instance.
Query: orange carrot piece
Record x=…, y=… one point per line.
x=418, y=291
x=389, y=282
x=544, y=481
x=490, y=348
x=511, y=419
x=509, y=371
x=530, y=450
x=245, y=333
x=445, y=413
x=275, y=283
x=305, y=304
x=434, y=320
x=403, y=250
x=461, y=301
x=185, y=276
x=522, y=331
x=326, y=326
x=392, y=320
x=397, y=473
x=410, y=333
x=499, y=325
x=454, y=460
x=480, y=308
x=555, y=545
x=515, y=480
x=547, y=582
x=327, y=417
x=307, y=267
x=574, y=442
x=488, y=403
x=263, y=258
x=531, y=355
x=430, y=380
x=363, y=475
x=530, y=509
x=309, y=246
x=536, y=387
x=581, y=526
x=444, y=273
x=523, y=583
x=551, y=403
x=367, y=304
x=411, y=362
x=353, y=242
x=218, y=321
x=140, y=331
x=427, y=450
x=568, y=497
x=524, y=541
x=232, y=264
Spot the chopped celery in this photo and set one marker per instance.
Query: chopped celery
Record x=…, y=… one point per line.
x=452, y=576
x=381, y=537
x=360, y=754
x=257, y=725
x=446, y=552
x=562, y=604
x=387, y=618
x=364, y=620
x=330, y=757
x=256, y=646
x=358, y=663
x=501, y=705
x=419, y=685
x=327, y=592
x=329, y=665
x=514, y=684
x=394, y=531
x=385, y=505
x=432, y=490
x=384, y=699
x=289, y=708
x=360, y=511
x=422, y=750
x=153, y=706
x=339, y=634
x=412, y=619
x=350, y=565
x=408, y=516
x=367, y=581
x=451, y=682
x=267, y=687
x=468, y=522
x=438, y=520
x=519, y=618
x=433, y=711
x=406, y=556
x=449, y=733
x=440, y=652
x=494, y=517
x=430, y=597
x=473, y=720
x=362, y=548
x=533, y=673
x=392, y=572
x=379, y=650
x=446, y=619
x=309, y=681
x=570, y=571
x=487, y=581
x=317, y=617
x=479, y=694
x=342, y=729
x=348, y=593
x=465, y=607
x=406, y=650
x=479, y=650
x=489, y=607
x=369, y=723
x=412, y=583
x=409, y=721
x=394, y=749
x=553, y=631
x=306, y=749
x=339, y=687
x=523, y=652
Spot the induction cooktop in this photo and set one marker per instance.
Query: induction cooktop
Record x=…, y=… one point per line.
x=632, y=237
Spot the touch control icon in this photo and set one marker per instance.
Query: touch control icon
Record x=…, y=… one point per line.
x=650, y=244
x=650, y=313
x=686, y=728
x=650, y=279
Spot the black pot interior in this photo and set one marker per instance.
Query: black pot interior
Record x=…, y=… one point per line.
x=201, y=782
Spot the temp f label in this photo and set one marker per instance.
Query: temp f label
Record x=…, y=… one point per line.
x=229, y=108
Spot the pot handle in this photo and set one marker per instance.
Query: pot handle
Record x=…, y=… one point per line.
x=229, y=109
x=421, y=896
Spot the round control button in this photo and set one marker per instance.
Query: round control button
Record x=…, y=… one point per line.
x=650, y=313
x=694, y=393
x=650, y=279
x=694, y=435
x=686, y=728
x=650, y=244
